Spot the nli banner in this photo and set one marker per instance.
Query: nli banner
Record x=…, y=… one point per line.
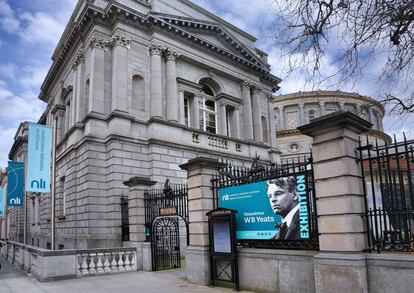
x=274, y=209
x=39, y=158
x=2, y=202
x=15, y=188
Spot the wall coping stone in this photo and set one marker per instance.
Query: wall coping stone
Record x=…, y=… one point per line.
x=203, y=162
x=337, y=119
x=133, y=181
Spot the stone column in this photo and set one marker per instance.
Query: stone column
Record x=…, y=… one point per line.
x=301, y=113
x=257, y=121
x=272, y=126
x=79, y=77
x=322, y=106
x=342, y=106
x=195, y=112
x=171, y=94
x=371, y=116
x=97, y=79
x=136, y=215
x=121, y=45
x=156, y=81
x=200, y=201
x=339, y=192
x=247, y=112
x=281, y=117
x=222, y=119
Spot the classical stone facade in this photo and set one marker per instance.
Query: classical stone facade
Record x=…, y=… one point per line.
x=137, y=88
x=294, y=110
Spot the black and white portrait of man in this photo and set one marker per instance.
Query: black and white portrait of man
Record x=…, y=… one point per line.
x=283, y=200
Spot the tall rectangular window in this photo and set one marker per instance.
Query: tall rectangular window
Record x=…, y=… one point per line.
x=187, y=118
x=207, y=115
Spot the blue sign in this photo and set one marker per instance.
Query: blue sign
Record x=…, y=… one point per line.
x=2, y=202
x=39, y=158
x=273, y=209
x=15, y=179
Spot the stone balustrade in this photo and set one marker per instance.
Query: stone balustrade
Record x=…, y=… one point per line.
x=217, y=142
x=103, y=261
x=50, y=265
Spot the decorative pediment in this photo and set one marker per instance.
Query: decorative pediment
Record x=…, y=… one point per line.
x=212, y=36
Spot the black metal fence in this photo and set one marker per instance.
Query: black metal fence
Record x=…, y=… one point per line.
x=124, y=219
x=388, y=172
x=236, y=175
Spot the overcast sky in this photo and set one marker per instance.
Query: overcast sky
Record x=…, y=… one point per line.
x=30, y=30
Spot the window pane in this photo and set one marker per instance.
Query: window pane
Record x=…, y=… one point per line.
x=202, y=124
x=210, y=105
x=211, y=123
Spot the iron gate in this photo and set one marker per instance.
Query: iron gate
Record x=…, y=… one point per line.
x=163, y=210
x=388, y=172
x=165, y=244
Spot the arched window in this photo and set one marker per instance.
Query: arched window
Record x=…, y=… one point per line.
x=87, y=96
x=138, y=93
x=264, y=130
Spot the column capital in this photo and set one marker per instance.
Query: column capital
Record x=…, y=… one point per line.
x=246, y=85
x=171, y=55
x=256, y=89
x=301, y=104
x=322, y=103
x=97, y=42
x=156, y=49
x=80, y=58
x=118, y=40
x=269, y=97
x=280, y=107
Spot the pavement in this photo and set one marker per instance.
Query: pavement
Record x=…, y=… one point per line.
x=171, y=281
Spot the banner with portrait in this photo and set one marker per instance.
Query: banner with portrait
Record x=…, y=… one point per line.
x=275, y=209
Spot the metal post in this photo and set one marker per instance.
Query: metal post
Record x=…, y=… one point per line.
x=53, y=184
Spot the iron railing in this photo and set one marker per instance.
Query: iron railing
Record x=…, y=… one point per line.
x=388, y=172
x=237, y=175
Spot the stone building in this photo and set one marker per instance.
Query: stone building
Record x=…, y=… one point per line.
x=293, y=110
x=137, y=88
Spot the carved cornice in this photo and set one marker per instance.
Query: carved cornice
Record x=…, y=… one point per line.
x=118, y=12
x=118, y=40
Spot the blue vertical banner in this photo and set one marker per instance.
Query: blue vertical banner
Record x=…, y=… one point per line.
x=15, y=188
x=39, y=158
x=2, y=202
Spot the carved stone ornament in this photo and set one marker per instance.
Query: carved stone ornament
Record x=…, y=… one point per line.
x=118, y=40
x=156, y=49
x=171, y=55
x=99, y=43
x=80, y=58
x=246, y=85
x=256, y=89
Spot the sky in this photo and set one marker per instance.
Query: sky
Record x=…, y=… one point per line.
x=30, y=30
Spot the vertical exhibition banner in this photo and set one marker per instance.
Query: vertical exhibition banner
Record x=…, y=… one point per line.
x=2, y=202
x=39, y=158
x=15, y=188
